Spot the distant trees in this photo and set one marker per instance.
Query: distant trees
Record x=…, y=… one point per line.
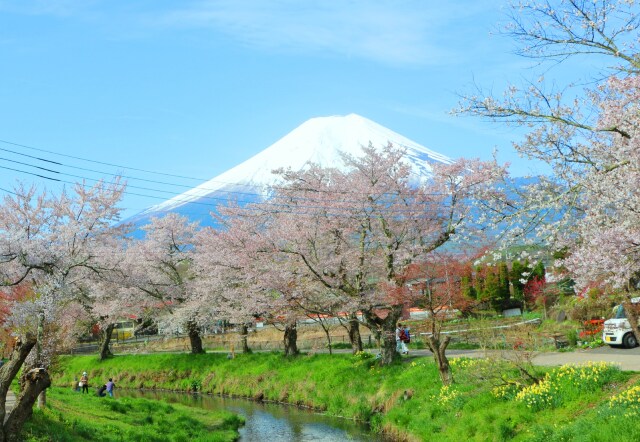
x=501, y=284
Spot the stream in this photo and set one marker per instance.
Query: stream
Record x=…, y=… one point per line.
x=269, y=422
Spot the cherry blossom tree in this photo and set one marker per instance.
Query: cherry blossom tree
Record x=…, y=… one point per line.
x=439, y=284
x=159, y=268
x=587, y=134
x=329, y=239
x=240, y=276
x=55, y=244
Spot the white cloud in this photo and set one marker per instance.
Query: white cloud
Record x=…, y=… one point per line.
x=393, y=32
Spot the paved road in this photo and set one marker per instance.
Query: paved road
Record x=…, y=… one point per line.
x=11, y=402
x=628, y=359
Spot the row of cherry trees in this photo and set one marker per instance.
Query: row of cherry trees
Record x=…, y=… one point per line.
x=330, y=241
x=326, y=241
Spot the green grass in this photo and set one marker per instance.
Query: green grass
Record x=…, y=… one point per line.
x=72, y=416
x=405, y=400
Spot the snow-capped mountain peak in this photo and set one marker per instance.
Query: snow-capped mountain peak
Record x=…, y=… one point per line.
x=318, y=140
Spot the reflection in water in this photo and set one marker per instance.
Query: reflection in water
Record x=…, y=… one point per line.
x=270, y=422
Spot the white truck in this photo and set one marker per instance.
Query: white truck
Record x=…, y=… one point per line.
x=617, y=330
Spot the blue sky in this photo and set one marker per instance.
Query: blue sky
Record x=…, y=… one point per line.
x=193, y=88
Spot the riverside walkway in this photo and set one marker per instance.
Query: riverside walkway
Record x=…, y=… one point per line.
x=11, y=402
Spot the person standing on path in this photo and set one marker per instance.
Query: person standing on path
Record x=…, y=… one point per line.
x=405, y=337
x=401, y=347
x=84, y=382
x=110, y=387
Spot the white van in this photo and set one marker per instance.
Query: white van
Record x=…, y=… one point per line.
x=617, y=330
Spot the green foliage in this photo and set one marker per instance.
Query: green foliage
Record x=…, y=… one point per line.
x=593, y=343
x=479, y=282
x=503, y=278
x=340, y=345
x=492, y=288
x=515, y=276
x=467, y=288
x=538, y=271
x=572, y=337
x=416, y=344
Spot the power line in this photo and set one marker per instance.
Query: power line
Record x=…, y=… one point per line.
x=29, y=165
x=100, y=162
x=346, y=213
x=8, y=191
x=174, y=194
x=256, y=186
x=30, y=173
x=129, y=176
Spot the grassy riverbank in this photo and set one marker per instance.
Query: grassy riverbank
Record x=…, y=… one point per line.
x=72, y=416
x=406, y=400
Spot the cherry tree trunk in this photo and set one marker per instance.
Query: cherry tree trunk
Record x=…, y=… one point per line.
x=438, y=348
x=327, y=333
x=354, y=334
x=106, y=335
x=244, y=334
x=386, y=327
x=33, y=384
x=389, y=352
x=290, y=340
x=194, y=338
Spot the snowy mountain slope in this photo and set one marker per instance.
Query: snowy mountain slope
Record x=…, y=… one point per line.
x=318, y=140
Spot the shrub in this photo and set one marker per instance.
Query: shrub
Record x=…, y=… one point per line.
x=448, y=397
x=626, y=404
x=339, y=345
x=566, y=383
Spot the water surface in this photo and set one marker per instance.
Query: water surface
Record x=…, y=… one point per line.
x=270, y=422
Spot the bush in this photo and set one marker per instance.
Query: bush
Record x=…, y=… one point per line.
x=566, y=383
x=340, y=345
x=625, y=404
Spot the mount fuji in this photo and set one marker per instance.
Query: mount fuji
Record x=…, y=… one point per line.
x=319, y=140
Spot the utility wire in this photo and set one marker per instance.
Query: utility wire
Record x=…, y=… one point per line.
x=29, y=165
x=30, y=173
x=129, y=177
x=100, y=162
x=346, y=214
x=174, y=194
x=9, y=191
x=256, y=186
